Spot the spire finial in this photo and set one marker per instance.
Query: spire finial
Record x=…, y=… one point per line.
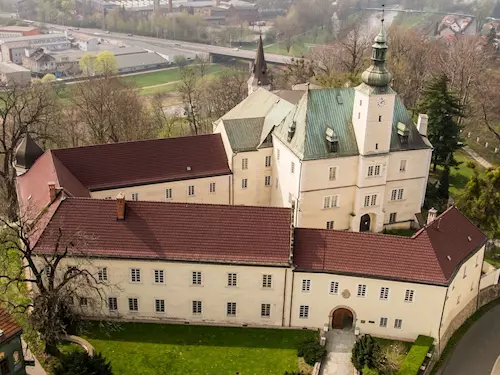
x=383, y=14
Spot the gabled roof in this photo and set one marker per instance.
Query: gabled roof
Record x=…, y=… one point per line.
x=8, y=326
x=174, y=231
x=431, y=256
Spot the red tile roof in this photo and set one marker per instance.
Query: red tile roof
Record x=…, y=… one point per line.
x=422, y=258
x=143, y=162
x=175, y=231
x=8, y=325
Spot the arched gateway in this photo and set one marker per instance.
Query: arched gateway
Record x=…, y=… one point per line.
x=342, y=318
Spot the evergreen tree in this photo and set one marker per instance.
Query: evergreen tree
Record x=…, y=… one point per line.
x=80, y=363
x=364, y=353
x=443, y=108
x=444, y=184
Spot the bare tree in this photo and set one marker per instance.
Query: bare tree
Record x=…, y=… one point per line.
x=485, y=102
x=188, y=86
x=299, y=71
x=168, y=125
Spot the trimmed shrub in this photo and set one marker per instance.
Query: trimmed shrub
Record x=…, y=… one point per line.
x=312, y=351
x=365, y=352
x=416, y=355
x=80, y=363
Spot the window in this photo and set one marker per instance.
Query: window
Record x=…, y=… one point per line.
x=360, y=103
x=159, y=277
x=278, y=154
x=458, y=298
x=48, y=271
x=332, y=173
x=384, y=293
x=409, y=295
x=133, y=304
x=471, y=286
x=330, y=201
x=329, y=225
x=334, y=287
x=377, y=170
x=168, y=194
x=135, y=196
x=290, y=198
x=197, y=307
x=135, y=275
x=276, y=183
x=191, y=191
x=292, y=167
x=267, y=281
x=196, y=278
x=392, y=217
x=304, y=312
x=244, y=183
x=359, y=115
x=374, y=170
x=465, y=271
x=477, y=260
x=370, y=200
x=102, y=274
x=113, y=304
x=231, y=279
x=383, y=322
x=398, y=323
x=397, y=194
x=231, y=309
x=212, y=187
x=265, y=310
x=160, y=305
x=379, y=118
x=268, y=161
x=83, y=301
x=361, y=290
x=306, y=285
x=244, y=163
x=267, y=181
x=402, y=166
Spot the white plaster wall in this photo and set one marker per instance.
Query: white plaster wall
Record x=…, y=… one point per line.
x=156, y=192
x=288, y=183
x=220, y=129
x=420, y=317
x=410, y=205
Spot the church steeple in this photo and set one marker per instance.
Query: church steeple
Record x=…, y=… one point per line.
x=259, y=77
x=377, y=74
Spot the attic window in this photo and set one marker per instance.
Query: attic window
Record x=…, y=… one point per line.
x=403, y=133
x=332, y=139
x=291, y=130
x=448, y=257
x=188, y=168
x=469, y=238
x=339, y=100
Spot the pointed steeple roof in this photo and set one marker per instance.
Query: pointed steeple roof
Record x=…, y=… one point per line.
x=377, y=74
x=27, y=152
x=259, y=72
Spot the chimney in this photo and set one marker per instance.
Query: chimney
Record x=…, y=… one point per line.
x=170, y=6
x=52, y=191
x=120, y=206
x=431, y=215
x=422, y=124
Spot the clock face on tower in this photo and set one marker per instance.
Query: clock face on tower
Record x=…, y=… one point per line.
x=381, y=102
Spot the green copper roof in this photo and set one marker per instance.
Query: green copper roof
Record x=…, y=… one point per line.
x=377, y=74
x=244, y=134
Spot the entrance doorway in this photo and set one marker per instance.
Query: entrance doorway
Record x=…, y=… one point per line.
x=342, y=318
x=364, y=224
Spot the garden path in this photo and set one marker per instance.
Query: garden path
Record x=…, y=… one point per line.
x=339, y=344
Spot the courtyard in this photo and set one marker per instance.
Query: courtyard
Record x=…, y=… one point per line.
x=158, y=349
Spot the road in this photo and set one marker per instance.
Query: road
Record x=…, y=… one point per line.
x=479, y=349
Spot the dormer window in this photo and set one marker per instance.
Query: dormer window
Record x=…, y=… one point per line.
x=403, y=133
x=291, y=130
x=332, y=140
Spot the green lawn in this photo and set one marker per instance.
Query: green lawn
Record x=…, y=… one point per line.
x=156, y=349
x=493, y=257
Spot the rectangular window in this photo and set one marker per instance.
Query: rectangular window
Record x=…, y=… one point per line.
x=267, y=281
x=392, y=217
x=292, y=167
x=244, y=183
x=400, y=194
x=159, y=277
x=398, y=323
x=377, y=170
x=477, y=260
x=276, y=183
x=304, y=312
x=370, y=200
x=267, y=181
x=465, y=272
x=373, y=201
x=330, y=201
x=160, y=305
x=370, y=170
x=379, y=118
x=168, y=194
x=383, y=322
x=384, y=293
x=196, y=278
x=231, y=279
x=135, y=196
x=306, y=285
x=334, y=287
x=402, y=166
x=212, y=187
x=278, y=154
x=367, y=201
x=458, y=298
x=133, y=304
x=268, y=161
x=102, y=274
x=329, y=225
x=409, y=293
x=397, y=194
x=332, y=173
x=374, y=170
x=265, y=310
x=113, y=304
x=197, y=306
x=231, y=309
x=135, y=275
x=244, y=163
x=191, y=191
x=361, y=290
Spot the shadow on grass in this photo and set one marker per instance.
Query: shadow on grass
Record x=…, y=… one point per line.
x=173, y=334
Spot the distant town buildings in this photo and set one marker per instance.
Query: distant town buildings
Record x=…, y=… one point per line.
x=11, y=73
x=15, y=31
x=451, y=26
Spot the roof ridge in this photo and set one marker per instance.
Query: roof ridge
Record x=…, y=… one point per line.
x=366, y=234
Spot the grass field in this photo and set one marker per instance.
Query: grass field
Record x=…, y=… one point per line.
x=156, y=349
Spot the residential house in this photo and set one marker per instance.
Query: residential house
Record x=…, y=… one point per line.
x=11, y=351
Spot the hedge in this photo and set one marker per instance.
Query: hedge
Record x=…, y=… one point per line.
x=416, y=355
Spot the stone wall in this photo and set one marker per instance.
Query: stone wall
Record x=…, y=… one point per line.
x=461, y=317
x=489, y=294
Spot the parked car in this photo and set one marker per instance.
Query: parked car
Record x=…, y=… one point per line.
x=130, y=34
x=236, y=49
